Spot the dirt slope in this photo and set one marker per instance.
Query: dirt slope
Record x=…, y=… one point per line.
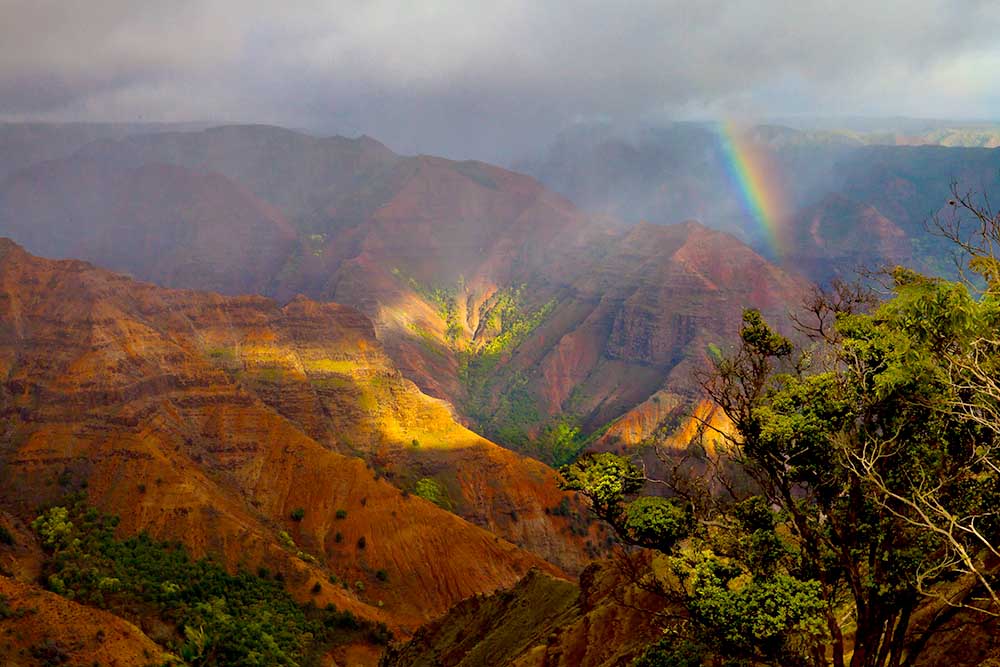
x=136, y=392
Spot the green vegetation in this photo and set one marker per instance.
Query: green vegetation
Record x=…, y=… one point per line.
x=7, y=612
x=226, y=357
x=507, y=317
x=511, y=414
x=432, y=490
x=428, y=341
x=862, y=469
x=50, y=653
x=861, y=476
x=672, y=653
x=270, y=374
x=219, y=618
x=298, y=514
x=444, y=299
x=340, y=514
x=508, y=414
x=339, y=366
x=559, y=439
x=6, y=537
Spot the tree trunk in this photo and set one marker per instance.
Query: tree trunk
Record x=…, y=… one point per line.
x=838, y=639
x=899, y=636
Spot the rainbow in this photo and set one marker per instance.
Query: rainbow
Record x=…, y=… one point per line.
x=754, y=174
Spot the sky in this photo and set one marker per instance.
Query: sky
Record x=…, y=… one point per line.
x=494, y=80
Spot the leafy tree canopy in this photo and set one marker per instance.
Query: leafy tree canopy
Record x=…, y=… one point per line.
x=870, y=450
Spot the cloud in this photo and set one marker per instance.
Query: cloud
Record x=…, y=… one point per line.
x=491, y=79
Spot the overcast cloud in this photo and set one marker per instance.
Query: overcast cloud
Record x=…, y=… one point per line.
x=492, y=79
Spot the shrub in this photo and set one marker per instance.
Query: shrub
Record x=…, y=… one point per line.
x=432, y=490
x=226, y=619
x=382, y=575
x=341, y=514
x=298, y=514
x=361, y=542
x=50, y=653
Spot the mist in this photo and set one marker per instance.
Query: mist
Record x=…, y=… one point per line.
x=492, y=82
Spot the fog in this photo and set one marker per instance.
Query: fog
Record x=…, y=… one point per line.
x=493, y=80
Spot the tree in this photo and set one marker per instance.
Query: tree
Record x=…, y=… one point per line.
x=871, y=453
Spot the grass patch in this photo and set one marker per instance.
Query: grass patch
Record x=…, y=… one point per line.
x=432, y=490
x=341, y=366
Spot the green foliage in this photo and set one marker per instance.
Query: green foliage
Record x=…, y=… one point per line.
x=501, y=403
x=873, y=478
x=673, y=652
x=446, y=301
x=6, y=537
x=50, y=653
x=562, y=509
x=222, y=618
x=428, y=341
x=298, y=514
x=340, y=514
x=559, y=442
x=657, y=522
x=55, y=528
x=751, y=615
x=432, y=490
x=507, y=316
x=6, y=611
x=605, y=479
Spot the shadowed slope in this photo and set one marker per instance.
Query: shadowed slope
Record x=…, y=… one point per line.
x=137, y=391
x=485, y=289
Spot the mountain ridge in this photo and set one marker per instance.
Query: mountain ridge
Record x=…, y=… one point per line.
x=461, y=265
x=128, y=390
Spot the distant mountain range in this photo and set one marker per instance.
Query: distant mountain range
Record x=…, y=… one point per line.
x=831, y=184
x=300, y=356
x=486, y=289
